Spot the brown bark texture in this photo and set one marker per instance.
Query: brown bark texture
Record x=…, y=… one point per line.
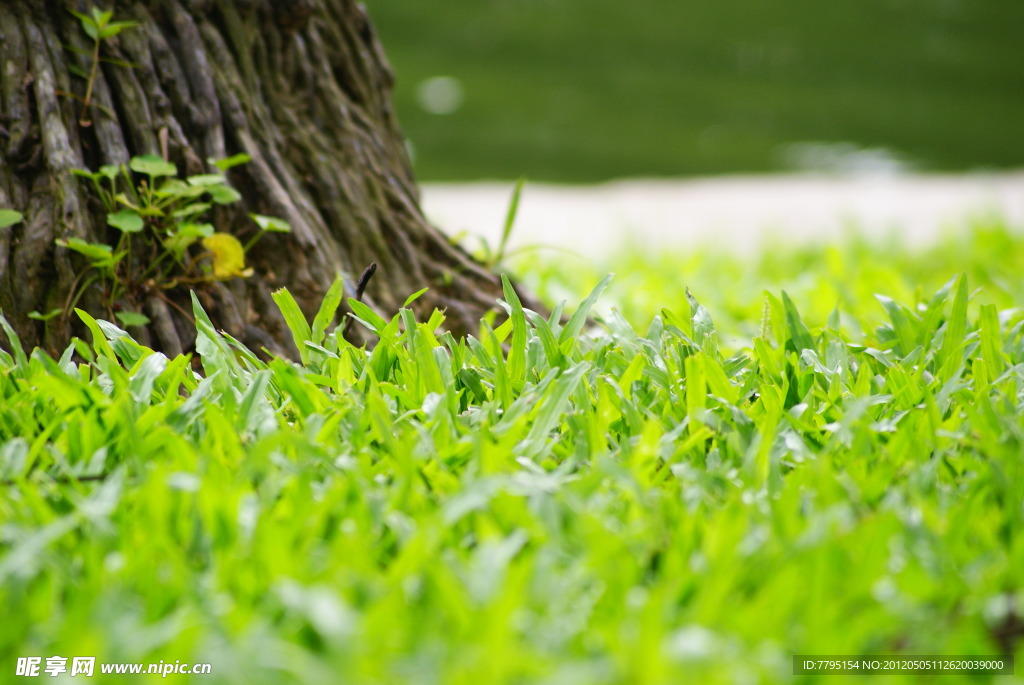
x=302, y=86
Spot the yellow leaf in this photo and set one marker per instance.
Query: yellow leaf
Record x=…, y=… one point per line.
x=227, y=254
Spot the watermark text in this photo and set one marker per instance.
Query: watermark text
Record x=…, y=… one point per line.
x=87, y=666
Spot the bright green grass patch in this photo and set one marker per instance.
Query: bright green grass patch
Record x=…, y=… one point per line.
x=845, y=275
x=695, y=499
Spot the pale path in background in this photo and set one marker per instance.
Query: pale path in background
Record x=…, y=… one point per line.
x=740, y=213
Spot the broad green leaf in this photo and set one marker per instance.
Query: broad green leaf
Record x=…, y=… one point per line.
x=176, y=188
x=132, y=318
x=232, y=161
x=115, y=27
x=9, y=217
x=47, y=316
x=110, y=171
x=153, y=166
x=271, y=224
x=126, y=221
x=96, y=250
x=88, y=24
x=223, y=195
x=101, y=17
x=100, y=254
x=206, y=180
x=191, y=210
x=186, y=235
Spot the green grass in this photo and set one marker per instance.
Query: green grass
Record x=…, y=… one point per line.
x=688, y=494
x=587, y=90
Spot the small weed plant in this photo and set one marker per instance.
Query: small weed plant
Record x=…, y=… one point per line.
x=160, y=218
x=99, y=26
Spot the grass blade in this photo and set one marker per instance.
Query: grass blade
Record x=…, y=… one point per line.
x=517, y=354
x=295, y=319
x=328, y=308
x=567, y=337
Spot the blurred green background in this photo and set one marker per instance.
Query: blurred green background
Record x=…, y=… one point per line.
x=589, y=90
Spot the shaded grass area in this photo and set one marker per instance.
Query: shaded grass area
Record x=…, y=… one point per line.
x=693, y=495
x=588, y=90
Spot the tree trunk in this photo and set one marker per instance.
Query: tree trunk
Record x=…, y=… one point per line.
x=301, y=86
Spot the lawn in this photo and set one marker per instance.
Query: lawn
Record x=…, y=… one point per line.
x=815, y=452
x=587, y=90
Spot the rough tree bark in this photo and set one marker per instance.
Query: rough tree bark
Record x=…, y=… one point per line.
x=300, y=85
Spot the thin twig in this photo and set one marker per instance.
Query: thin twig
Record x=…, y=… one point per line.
x=364, y=280
x=84, y=119
x=360, y=289
x=174, y=304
